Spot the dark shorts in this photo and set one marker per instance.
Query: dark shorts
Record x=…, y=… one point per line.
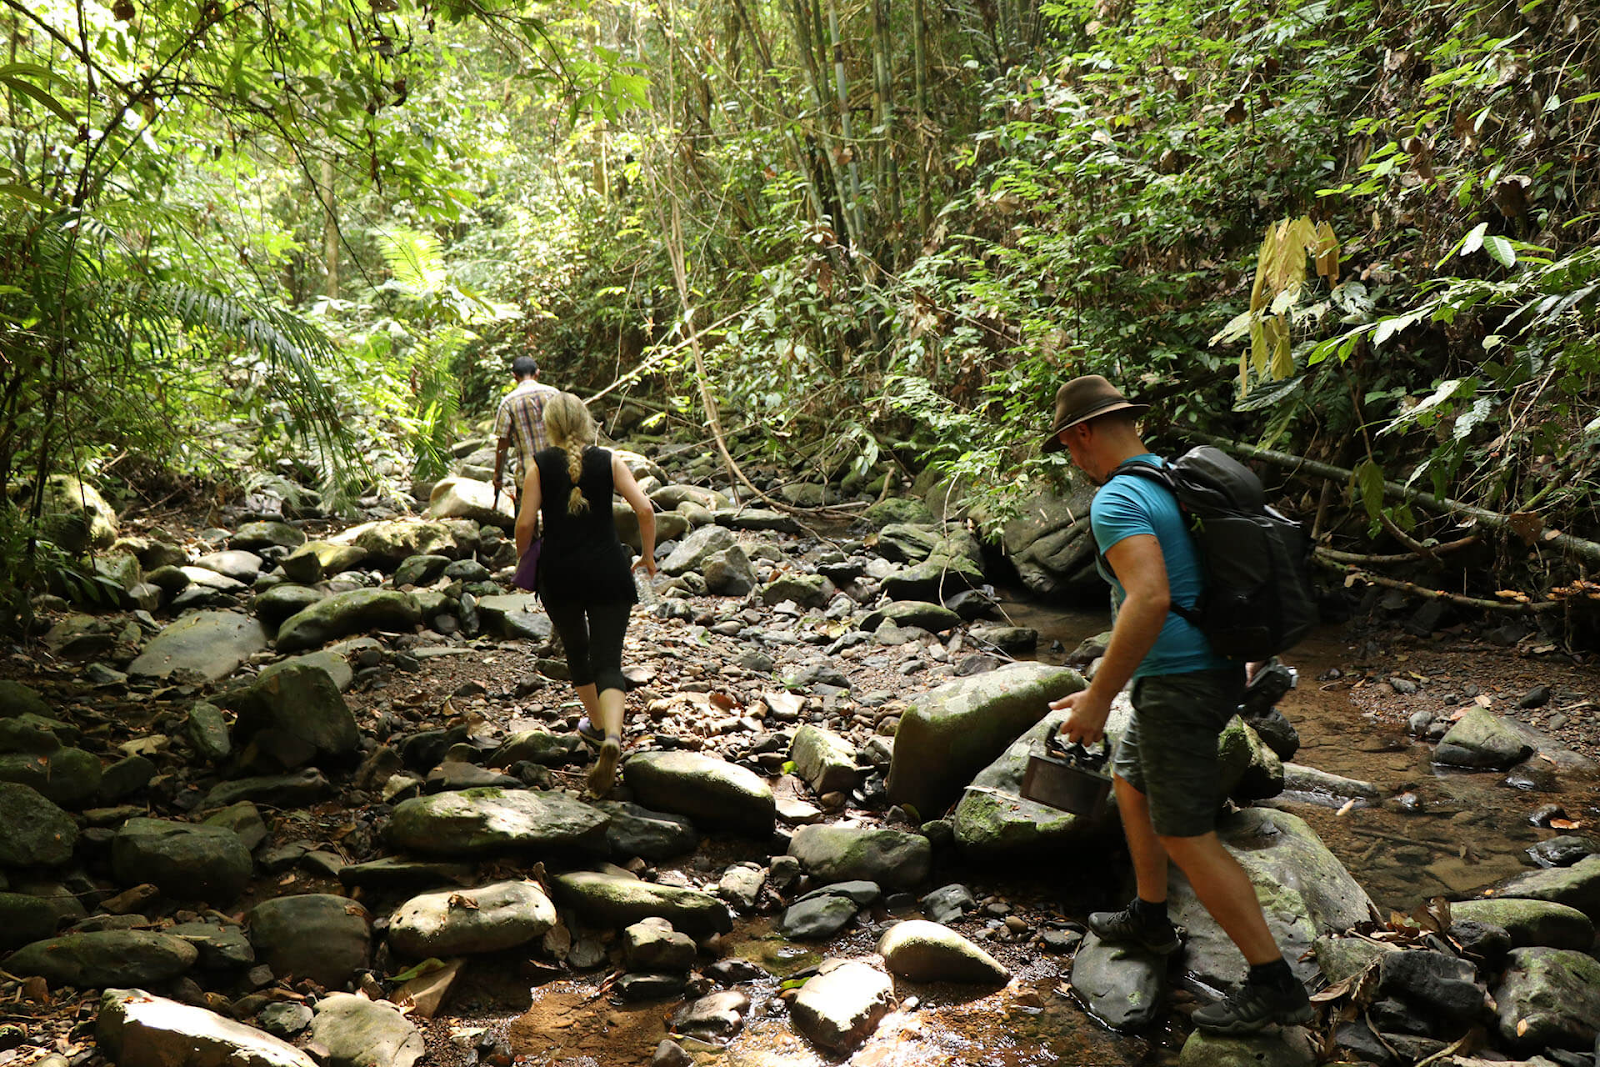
x=1170, y=750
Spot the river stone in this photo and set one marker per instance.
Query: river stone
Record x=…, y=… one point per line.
x=514, y=615
x=25, y=918
x=242, y=567
x=244, y=819
x=908, y=543
x=314, y=935
x=1303, y=888
x=75, y=516
x=535, y=746
x=212, y=644
x=293, y=717
x=729, y=572
x=137, y=1029
x=650, y=835
x=38, y=833
x=342, y=614
x=1547, y=997
x=333, y=660
x=31, y=734
x=184, y=860
x=303, y=787
x=716, y=1014
x=221, y=947
x=150, y=553
x=468, y=498
x=825, y=760
x=823, y=912
x=841, y=1007
x=1577, y=886
x=898, y=510
x=1438, y=984
x=620, y=900
x=1120, y=985
x=483, y=822
x=951, y=732
x=1008, y=639
x=397, y=874
x=669, y=497
x=805, y=590
x=1248, y=769
x=711, y=791
x=357, y=1032
x=68, y=776
x=314, y=559
x=284, y=601
x=1343, y=958
x=696, y=548
x=845, y=853
x=1480, y=739
x=652, y=945
x=669, y=525
x=925, y=951
x=204, y=578
x=120, y=568
x=1298, y=778
x=934, y=618
x=18, y=699
x=105, y=958
x=1529, y=922
x=254, y=536
x=1284, y=1046
x=1050, y=544
x=419, y=570
x=759, y=519
x=389, y=542
x=458, y=922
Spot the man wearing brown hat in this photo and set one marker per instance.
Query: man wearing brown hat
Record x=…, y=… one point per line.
x=1165, y=772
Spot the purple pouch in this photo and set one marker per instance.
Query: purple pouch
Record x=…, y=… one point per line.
x=527, y=576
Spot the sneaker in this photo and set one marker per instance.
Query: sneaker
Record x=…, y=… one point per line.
x=589, y=733
x=1254, y=1006
x=604, y=774
x=1125, y=928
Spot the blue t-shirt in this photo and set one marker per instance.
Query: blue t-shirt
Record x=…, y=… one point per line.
x=1130, y=505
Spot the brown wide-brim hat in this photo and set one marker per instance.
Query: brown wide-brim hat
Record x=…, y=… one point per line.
x=1084, y=398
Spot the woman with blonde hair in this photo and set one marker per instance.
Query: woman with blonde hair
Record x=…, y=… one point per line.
x=584, y=577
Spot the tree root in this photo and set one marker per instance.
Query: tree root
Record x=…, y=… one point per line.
x=1514, y=607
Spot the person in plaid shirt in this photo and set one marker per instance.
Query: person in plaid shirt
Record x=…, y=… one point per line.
x=520, y=418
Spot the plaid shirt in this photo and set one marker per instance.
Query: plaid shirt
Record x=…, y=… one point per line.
x=521, y=417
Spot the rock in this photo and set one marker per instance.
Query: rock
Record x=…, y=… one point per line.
x=136, y=1029
x=928, y=952
x=314, y=935
x=151, y=553
x=212, y=644
x=67, y=776
x=1577, y=886
x=467, y=498
x=933, y=579
x=184, y=860
x=244, y=819
x=1529, y=922
x=729, y=572
x=824, y=759
x=419, y=570
x=760, y=519
x=897, y=510
x=719, y=1014
x=242, y=567
x=458, y=922
x=951, y=732
x=619, y=900
x=818, y=916
x=75, y=516
x=1563, y=850
x=342, y=614
x=17, y=699
x=486, y=822
x=1343, y=958
x=1480, y=739
x=299, y=789
x=397, y=874
x=948, y=903
x=1050, y=544
x=1547, y=998
x=1321, y=785
x=25, y=918
x=309, y=563
x=650, y=835
x=1008, y=639
x=468, y=570
x=1248, y=769
x=842, y=1006
x=1437, y=984
x=653, y=945
x=1285, y=1046
x=514, y=615
x=805, y=590
x=284, y=601
x=741, y=885
x=358, y=1032
x=333, y=660
x=934, y=618
x=711, y=791
x=535, y=746
x=105, y=958
x=284, y=1019
x=388, y=543
x=695, y=549
x=293, y=717
x=908, y=543
x=1121, y=986
x=844, y=853
x=254, y=536
x=669, y=497
x=221, y=947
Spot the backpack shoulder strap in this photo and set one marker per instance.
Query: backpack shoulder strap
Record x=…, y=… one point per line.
x=1162, y=476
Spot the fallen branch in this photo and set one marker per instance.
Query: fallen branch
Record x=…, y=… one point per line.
x=1357, y=558
x=1515, y=607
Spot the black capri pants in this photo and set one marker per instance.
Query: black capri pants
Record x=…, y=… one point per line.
x=592, y=635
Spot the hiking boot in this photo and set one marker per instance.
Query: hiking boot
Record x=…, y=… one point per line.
x=1254, y=1006
x=589, y=733
x=1126, y=927
x=604, y=774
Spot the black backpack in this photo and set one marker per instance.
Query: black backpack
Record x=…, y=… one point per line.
x=1258, y=599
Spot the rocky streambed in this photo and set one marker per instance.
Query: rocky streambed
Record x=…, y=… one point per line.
x=311, y=795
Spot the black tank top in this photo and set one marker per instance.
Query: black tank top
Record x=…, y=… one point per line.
x=581, y=560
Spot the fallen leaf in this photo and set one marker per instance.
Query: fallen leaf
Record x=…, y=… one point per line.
x=1347, y=807
x=1483, y=700
x=1566, y=824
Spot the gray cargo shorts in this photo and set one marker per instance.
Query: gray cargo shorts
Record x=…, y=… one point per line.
x=1169, y=752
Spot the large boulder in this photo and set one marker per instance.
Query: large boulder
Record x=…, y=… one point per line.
x=105, y=958
x=852, y=853
x=309, y=563
x=211, y=644
x=75, y=516
x=932, y=952
x=357, y=1032
x=254, y=536
x=135, y=1027
x=184, y=860
x=355, y=611
x=318, y=936
x=458, y=922
x=1577, y=886
x=292, y=717
x=1529, y=922
x=38, y=833
x=1481, y=739
x=617, y=899
x=651, y=835
x=694, y=550
x=67, y=776
x=467, y=498
x=824, y=759
x=1050, y=544
x=485, y=822
x=711, y=791
x=1548, y=997
x=1120, y=985
x=953, y=731
x=389, y=543
x=842, y=1005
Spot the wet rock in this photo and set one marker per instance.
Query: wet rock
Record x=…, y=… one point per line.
x=928, y=952
x=221, y=947
x=357, y=1032
x=293, y=717
x=184, y=860
x=633, y=988
x=419, y=570
x=619, y=900
x=651, y=835
x=653, y=945
x=1547, y=997
x=1563, y=850
x=242, y=567
x=69, y=777
x=693, y=551
x=483, y=822
x=1438, y=985
x=948, y=903
x=295, y=790
x=1289, y=1046
x=1529, y=922
x=805, y=590
x=1480, y=739
x=951, y=732
x=840, y=1008
x=458, y=922
x=1577, y=886
x=842, y=853
x=342, y=614
x=135, y=1027
x=105, y=958
x=315, y=935
x=711, y=791
x=468, y=498
x=75, y=516
x=717, y=1015
x=212, y=644
x=254, y=536
x=824, y=759
x=1121, y=986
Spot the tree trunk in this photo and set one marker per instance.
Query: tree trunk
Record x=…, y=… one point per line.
x=889, y=174
x=846, y=130
x=843, y=225
x=919, y=36
x=330, y=233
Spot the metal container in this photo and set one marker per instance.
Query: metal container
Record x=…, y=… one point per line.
x=1070, y=778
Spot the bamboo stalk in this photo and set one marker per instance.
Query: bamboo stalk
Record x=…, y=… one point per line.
x=919, y=39
x=846, y=132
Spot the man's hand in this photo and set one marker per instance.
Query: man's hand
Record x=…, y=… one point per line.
x=1086, y=716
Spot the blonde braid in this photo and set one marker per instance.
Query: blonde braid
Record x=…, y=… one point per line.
x=571, y=429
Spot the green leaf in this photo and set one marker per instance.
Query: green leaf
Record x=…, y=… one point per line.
x=1369, y=481
x=1500, y=251
x=32, y=91
x=1474, y=239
